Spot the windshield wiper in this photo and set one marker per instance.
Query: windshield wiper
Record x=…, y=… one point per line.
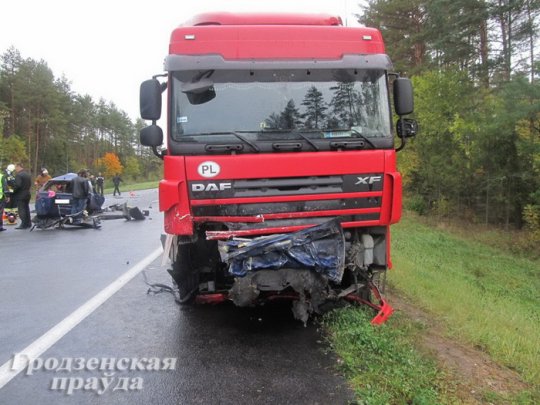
x=362, y=137
x=294, y=132
x=237, y=135
x=357, y=134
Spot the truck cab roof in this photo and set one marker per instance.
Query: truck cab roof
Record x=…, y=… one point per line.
x=226, y=18
x=273, y=36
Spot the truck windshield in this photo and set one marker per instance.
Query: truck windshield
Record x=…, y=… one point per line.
x=316, y=103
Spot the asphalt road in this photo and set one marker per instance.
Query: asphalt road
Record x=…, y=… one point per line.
x=173, y=355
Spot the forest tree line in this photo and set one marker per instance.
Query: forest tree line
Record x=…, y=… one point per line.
x=44, y=123
x=474, y=66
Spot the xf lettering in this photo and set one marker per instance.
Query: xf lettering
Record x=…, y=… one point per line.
x=368, y=180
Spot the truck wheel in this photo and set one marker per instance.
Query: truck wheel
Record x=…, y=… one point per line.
x=184, y=273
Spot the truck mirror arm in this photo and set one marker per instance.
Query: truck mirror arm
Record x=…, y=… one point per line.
x=159, y=153
x=402, y=145
x=401, y=131
x=164, y=84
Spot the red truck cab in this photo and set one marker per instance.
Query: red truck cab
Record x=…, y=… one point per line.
x=279, y=127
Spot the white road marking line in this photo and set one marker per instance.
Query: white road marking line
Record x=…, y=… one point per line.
x=9, y=370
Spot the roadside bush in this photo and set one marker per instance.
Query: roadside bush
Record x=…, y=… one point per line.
x=417, y=204
x=531, y=240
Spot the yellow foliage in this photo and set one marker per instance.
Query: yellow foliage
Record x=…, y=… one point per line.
x=111, y=164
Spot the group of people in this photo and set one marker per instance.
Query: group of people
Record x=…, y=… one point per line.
x=82, y=187
x=96, y=183
x=16, y=185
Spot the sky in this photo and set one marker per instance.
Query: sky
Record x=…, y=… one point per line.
x=106, y=48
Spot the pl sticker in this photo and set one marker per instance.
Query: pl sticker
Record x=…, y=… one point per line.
x=181, y=120
x=208, y=169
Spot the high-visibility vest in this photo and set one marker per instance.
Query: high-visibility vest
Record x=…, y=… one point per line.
x=1, y=186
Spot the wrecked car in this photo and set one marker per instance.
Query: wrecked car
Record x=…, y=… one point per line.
x=53, y=207
x=53, y=204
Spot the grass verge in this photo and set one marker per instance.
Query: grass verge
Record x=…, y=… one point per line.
x=483, y=296
x=381, y=362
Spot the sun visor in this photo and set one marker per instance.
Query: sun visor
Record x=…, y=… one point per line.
x=217, y=62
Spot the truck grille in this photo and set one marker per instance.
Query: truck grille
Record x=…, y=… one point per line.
x=280, y=202
x=350, y=183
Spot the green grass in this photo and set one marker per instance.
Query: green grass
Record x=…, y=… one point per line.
x=133, y=186
x=485, y=296
x=480, y=294
x=381, y=363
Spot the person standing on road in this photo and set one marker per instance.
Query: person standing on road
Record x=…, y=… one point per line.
x=116, y=181
x=43, y=178
x=10, y=178
x=4, y=198
x=80, y=187
x=99, y=183
x=92, y=180
x=21, y=195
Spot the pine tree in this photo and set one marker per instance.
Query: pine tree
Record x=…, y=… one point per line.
x=289, y=118
x=344, y=104
x=402, y=23
x=315, y=115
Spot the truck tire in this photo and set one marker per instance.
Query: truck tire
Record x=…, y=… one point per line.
x=185, y=273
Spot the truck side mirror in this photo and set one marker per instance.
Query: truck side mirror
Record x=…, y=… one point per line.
x=406, y=128
x=403, y=96
x=150, y=100
x=151, y=135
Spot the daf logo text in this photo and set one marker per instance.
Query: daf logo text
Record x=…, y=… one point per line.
x=199, y=187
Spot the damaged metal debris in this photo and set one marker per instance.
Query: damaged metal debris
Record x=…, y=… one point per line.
x=320, y=248
x=91, y=218
x=311, y=289
x=303, y=261
x=306, y=267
